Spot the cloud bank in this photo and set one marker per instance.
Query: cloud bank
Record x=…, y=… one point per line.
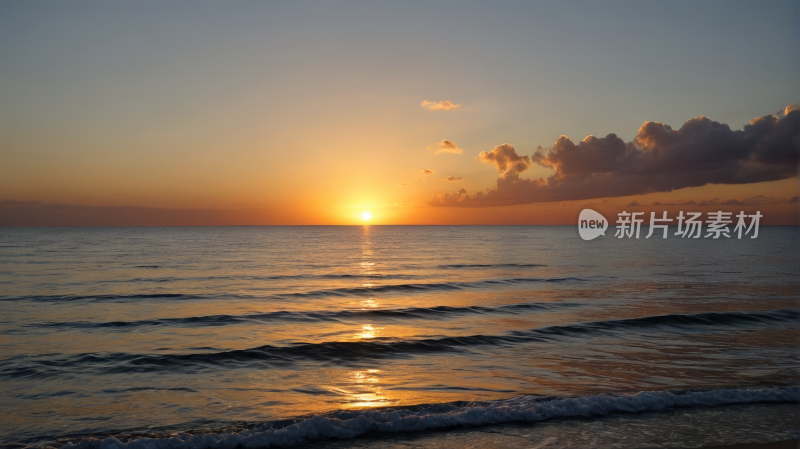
x=445, y=146
x=759, y=200
x=440, y=105
x=659, y=159
x=452, y=179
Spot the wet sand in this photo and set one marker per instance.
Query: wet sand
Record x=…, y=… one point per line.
x=788, y=444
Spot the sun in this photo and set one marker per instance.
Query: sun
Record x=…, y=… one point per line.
x=366, y=215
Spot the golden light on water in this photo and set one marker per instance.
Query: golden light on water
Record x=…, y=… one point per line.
x=369, y=304
x=366, y=391
x=366, y=215
x=367, y=332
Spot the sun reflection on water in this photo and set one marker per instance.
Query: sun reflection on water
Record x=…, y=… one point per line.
x=367, y=332
x=367, y=391
x=367, y=263
x=370, y=303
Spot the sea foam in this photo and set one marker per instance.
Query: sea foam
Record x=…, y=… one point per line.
x=350, y=424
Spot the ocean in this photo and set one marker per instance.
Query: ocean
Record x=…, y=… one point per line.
x=395, y=336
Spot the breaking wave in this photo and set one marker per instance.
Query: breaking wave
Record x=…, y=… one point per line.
x=351, y=424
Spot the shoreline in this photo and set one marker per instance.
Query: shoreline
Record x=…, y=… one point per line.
x=785, y=444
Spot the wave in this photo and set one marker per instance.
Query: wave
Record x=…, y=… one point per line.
x=342, y=291
x=374, y=349
x=351, y=424
x=103, y=298
x=493, y=265
x=263, y=278
x=440, y=312
x=372, y=289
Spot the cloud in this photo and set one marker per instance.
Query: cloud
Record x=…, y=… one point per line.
x=402, y=184
x=683, y=203
x=733, y=203
x=659, y=159
x=428, y=171
x=505, y=159
x=452, y=178
x=445, y=146
x=711, y=202
x=760, y=199
x=754, y=201
x=440, y=105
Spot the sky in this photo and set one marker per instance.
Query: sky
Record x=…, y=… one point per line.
x=440, y=112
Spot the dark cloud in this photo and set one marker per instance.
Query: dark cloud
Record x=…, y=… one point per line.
x=452, y=178
x=659, y=159
x=505, y=158
x=754, y=201
x=760, y=199
x=733, y=203
x=428, y=172
x=685, y=203
x=711, y=202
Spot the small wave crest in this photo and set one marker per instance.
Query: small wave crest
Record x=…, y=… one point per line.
x=351, y=424
x=439, y=312
x=369, y=289
x=103, y=298
x=493, y=265
x=422, y=287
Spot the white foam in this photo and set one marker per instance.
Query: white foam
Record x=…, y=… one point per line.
x=521, y=408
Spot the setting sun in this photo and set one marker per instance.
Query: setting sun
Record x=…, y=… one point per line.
x=581, y=255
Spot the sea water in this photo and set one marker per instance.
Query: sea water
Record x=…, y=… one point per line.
x=380, y=336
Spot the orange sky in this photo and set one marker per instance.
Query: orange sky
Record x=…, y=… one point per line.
x=770, y=198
